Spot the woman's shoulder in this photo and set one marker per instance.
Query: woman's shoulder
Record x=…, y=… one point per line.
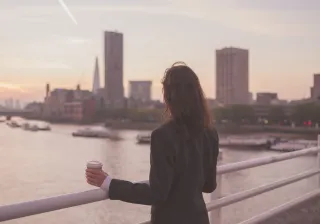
x=163, y=136
x=165, y=129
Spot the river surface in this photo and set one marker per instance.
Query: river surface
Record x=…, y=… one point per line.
x=36, y=165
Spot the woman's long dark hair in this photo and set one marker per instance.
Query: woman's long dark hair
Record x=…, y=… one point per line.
x=185, y=102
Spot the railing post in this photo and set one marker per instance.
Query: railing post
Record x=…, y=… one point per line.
x=215, y=215
x=318, y=159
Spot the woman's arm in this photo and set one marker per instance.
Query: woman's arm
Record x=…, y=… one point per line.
x=211, y=171
x=160, y=177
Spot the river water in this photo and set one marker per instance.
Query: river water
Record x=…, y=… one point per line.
x=36, y=165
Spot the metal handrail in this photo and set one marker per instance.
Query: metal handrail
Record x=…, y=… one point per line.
x=19, y=210
x=237, y=197
x=232, y=167
x=282, y=208
x=234, y=198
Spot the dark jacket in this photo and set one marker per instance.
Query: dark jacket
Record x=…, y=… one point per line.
x=180, y=172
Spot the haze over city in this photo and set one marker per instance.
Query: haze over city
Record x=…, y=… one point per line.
x=57, y=42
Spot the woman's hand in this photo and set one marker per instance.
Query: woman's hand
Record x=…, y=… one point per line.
x=95, y=177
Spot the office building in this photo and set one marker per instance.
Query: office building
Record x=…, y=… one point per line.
x=58, y=103
x=113, y=61
x=266, y=98
x=232, y=76
x=315, y=89
x=140, y=90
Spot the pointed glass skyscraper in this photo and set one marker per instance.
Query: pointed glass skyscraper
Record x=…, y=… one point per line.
x=96, y=78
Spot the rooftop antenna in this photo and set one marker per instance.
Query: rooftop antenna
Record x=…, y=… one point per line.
x=80, y=79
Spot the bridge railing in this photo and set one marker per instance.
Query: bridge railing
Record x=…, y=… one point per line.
x=19, y=210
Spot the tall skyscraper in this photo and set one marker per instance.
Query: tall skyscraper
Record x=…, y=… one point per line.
x=113, y=61
x=232, y=76
x=96, y=78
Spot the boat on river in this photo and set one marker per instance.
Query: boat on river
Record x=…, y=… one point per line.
x=96, y=133
x=43, y=127
x=35, y=126
x=144, y=138
x=293, y=145
x=237, y=142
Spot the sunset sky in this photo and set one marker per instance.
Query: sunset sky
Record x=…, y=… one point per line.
x=48, y=41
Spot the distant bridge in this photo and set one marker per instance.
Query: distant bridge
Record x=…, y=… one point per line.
x=18, y=113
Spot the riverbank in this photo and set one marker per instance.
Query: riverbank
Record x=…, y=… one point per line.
x=307, y=132
x=224, y=129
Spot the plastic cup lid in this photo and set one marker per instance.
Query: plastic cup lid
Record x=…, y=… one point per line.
x=94, y=164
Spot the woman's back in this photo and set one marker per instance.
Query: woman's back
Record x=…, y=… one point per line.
x=183, y=156
x=194, y=167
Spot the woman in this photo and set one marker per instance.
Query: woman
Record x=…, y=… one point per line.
x=183, y=157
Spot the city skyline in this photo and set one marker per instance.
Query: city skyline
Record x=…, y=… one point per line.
x=45, y=45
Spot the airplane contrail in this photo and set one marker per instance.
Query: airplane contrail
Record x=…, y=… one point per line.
x=66, y=9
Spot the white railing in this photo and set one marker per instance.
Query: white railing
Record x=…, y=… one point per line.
x=19, y=210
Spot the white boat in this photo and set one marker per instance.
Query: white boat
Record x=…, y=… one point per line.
x=96, y=133
x=44, y=127
x=144, y=138
x=31, y=125
x=293, y=145
x=246, y=142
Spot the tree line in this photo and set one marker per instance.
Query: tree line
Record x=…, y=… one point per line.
x=240, y=114
x=302, y=114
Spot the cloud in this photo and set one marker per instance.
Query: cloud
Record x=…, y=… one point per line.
x=34, y=64
x=273, y=18
x=259, y=17
x=12, y=87
x=256, y=20
x=49, y=65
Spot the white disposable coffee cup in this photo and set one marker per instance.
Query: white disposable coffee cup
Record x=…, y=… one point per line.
x=94, y=165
